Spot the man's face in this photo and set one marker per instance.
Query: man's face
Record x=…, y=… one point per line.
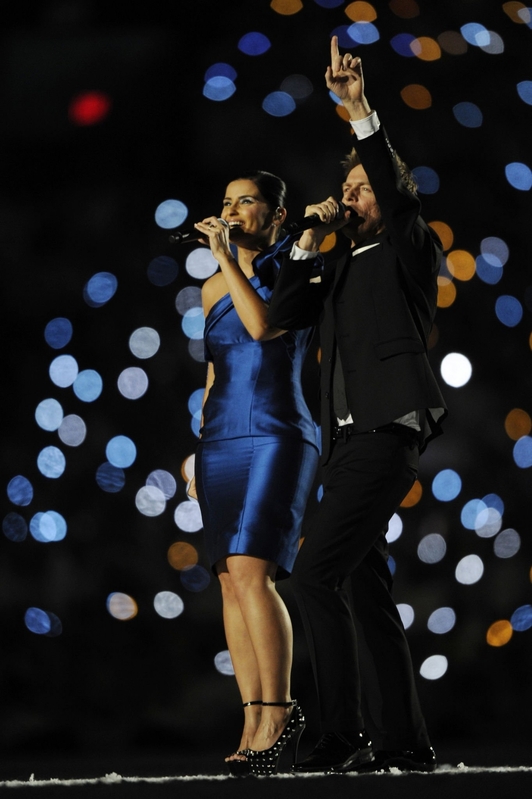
x=358, y=195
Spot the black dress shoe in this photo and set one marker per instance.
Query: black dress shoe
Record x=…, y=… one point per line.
x=402, y=759
x=342, y=751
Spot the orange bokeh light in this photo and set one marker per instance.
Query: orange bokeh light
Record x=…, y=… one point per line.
x=444, y=232
x=406, y=9
x=499, y=633
x=461, y=264
x=416, y=96
x=517, y=424
x=328, y=243
x=182, y=556
x=413, y=496
x=426, y=49
x=512, y=9
x=360, y=12
x=286, y=7
x=446, y=292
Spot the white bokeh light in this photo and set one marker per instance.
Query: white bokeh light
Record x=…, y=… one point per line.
x=456, y=369
x=434, y=667
x=144, y=342
x=201, y=264
x=72, y=431
x=432, y=548
x=441, y=620
x=407, y=614
x=121, y=606
x=395, y=528
x=469, y=570
x=168, y=605
x=223, y=663
x=187, y=516
x=133, y=382
x=150, y=501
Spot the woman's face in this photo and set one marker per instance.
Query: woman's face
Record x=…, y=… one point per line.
x=250, y=219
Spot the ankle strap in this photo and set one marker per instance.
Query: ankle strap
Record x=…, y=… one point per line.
x=255, y=702
x=291, y=703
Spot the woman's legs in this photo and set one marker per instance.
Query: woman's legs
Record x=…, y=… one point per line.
x=259, y=636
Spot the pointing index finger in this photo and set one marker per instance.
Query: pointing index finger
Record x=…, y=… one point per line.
x=335, y=53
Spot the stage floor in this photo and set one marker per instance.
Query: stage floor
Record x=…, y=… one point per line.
x=486, y=771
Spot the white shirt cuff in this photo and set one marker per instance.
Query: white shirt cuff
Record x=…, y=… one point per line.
x=366, y=127
x=297, y=254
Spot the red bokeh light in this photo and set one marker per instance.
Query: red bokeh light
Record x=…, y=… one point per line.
x=89, y=108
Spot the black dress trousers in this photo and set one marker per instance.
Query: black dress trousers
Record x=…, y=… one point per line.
x=342, y=570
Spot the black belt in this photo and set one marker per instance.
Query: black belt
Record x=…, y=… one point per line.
x=344, y=431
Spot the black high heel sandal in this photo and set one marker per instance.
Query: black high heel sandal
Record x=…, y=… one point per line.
x=266, y=762
x=241, y=768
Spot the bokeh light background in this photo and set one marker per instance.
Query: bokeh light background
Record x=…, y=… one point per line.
x=118, y=128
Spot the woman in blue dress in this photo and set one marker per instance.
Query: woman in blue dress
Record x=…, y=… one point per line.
x=255, y=461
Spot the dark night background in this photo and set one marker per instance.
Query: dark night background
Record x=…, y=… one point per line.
x=77, y=200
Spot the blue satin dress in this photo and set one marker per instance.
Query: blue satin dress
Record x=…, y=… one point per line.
x=257, y=455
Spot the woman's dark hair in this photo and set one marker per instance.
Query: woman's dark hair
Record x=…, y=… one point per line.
x=272, y=188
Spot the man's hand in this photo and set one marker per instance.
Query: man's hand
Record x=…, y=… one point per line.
x=344, y=77
x=328, y=213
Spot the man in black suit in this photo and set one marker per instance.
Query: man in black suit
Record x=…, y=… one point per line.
x=380, y=406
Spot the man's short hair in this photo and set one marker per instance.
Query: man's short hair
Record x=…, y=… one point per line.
x=352, y=160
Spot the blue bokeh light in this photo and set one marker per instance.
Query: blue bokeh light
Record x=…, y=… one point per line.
x=486, y=271
x=519, y=176
x=37, y=621
x=51, y=462
x=521, y=619
x=220, y=69
x=427, y=179
x=468, y=114
x=494, y=501
x=344, y=39
x=58, y=332
x=14, y=527
x=494, y=250
x=329, y=3
x=170, y=214
x=476, y=34
x=121, y=451
x=63, y=370
x=163, y=270
x=363, y=33
x=470, y=513
x=42, y=623
x=254, y=43
x=49, y=414
x=47, y=527
x=88, y=385
x=110, y=478
x=509, y=310
x=195, y=401
x=402, y=44
x=446, y=485
x=524, y=90
x=193, y=323
x=20, y=491
x=100, y=289
x=279, y=104
x=522, y=452
x=219, y=88
x=195, y=579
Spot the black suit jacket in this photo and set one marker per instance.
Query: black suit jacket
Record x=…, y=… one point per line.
x=377, y=308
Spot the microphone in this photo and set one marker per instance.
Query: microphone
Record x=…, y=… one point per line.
x=181, y=237
x=313, y=220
